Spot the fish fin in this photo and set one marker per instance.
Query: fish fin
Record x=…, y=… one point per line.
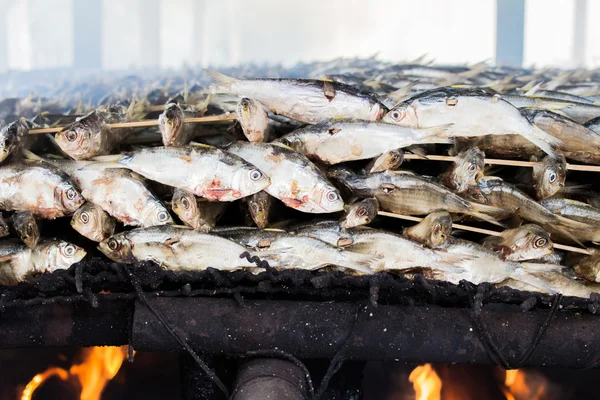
x=522, y=275
x=542, y=267
x=111, y=158
x=566, y=232
x=418, y=150
x=437, y=131
x=402, y=94
x=474, y=70
x=485, y=217
x=224, y=80
x=573, y=189
x=29, y=155
x=534, y=89
x=365, y=263
x=544, y=141
x=6, y=258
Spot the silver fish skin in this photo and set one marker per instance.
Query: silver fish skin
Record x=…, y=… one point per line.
x=195, y=212
x=593, y=124
x=201, y=169
x=468, y=168
x=176, y=248
x=549, y=176
x=294, y=179
x=26, y=227
x=527, y=242
x=48, y=256
x=328, y=231
x=303, y=252
x=337, y=141
x=39, y=188
x=91, y=221
x=360, y=213
x=173, y=128
x=253, y=120
x=471, y=113
x=123, y=194
x=309, y=101
x=10, y=138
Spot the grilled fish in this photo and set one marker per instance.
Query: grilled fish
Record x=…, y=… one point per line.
x=467, y=170
x=527, y=242
x=360, y=213
x=91, y=221
x=195, y=212
x=253, y=119
x=432, y=231
x=26, y=227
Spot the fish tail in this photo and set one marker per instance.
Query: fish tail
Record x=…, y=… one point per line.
x=566, y=226
x=223, y=80
x=544, y=141
x=402, y=94
x=525, y=274
x=487, y=213
x=435, y=134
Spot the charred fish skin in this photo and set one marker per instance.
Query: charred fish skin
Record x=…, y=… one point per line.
x=309, y=101
x=253, y=120
x=204, y=170
x=336, y=141
x=26, y=226
x=91, y=221
x=39, y=188
x=467, y=170
x=294, y=179
x=466, y=109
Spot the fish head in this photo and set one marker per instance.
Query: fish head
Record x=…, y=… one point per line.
x=92, y=222
x=4, y=230
x=526, y=242
x=252, y=118
x=247, y=180
x=360, y=213
x=185, y=205
x=155, y=213
x=170, y=123
x=378, y=111
x=402, y=114
x=68, y=197
x=324, y=198
x=293, y=141
x=29, y=231
x=549, y=176
x=58, y=255
x=589, y=267
x=81, y=139
x=118, y=248
x=390, y=160
x=440, y=228
x=10, y=137
x=258, y=206
x=468, y=169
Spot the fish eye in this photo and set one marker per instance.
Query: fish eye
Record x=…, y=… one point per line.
x=69, y=250
x=29, y=229
x=394, y=158
x=472, y=167
x=163, y=216
x=185, y=202
x=84, y=217
x=396, y=115
x=361, y=212
x=552, y=177
x=436, y=229
x=540, y=242
x=255, y=174
x=113, y=244
x=71, y=193
x=71, y=136
x=332, y=196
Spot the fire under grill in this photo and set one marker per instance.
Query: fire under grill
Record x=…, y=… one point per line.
x=293, y=315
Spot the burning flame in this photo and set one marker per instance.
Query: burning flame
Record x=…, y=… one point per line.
x=99, y=366
x=427, y=383
x=517, y=386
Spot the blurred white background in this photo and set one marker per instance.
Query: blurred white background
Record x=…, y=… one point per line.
x=125, y=34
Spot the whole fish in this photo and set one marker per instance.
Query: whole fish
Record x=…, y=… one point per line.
x=390, y=160
x=201, y=169
x=360, y=213
x=173, y=128
x=175, y=248
x=10, y=138
x=259, y=208
x=578, y=142
x=39, y=188
x=26, y=227
x=337, y=141
x=495, y=192
x=556, y=280
x=294, y=180
x=527, y=242
x=253, y=120
x=471, y=113
x=304, y=252
x=18, y=261
x=409, y=194
x=195, y=212
x=91, y=135
x=91, y=221
x=432, y=231
x=305, y=100
x=549, y=176
x=467, y=170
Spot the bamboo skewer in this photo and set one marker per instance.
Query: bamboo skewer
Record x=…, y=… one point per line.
x=480, y=230
x=496, y=161
x=146, y=123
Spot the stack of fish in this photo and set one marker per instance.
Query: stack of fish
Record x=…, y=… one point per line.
x=332, y=146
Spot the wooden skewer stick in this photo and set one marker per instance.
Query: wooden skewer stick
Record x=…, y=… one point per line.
x=496, y=161
x=480, y=230
x=150, y=122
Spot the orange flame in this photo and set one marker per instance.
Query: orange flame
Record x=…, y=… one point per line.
x=518, y=386
x=100, y=365
x=427, y=383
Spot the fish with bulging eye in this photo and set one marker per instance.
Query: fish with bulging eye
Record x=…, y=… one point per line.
x=93, y=222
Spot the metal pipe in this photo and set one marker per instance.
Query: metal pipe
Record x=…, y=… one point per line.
x=411, y=334
x=265, y=378
x=510, y=32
